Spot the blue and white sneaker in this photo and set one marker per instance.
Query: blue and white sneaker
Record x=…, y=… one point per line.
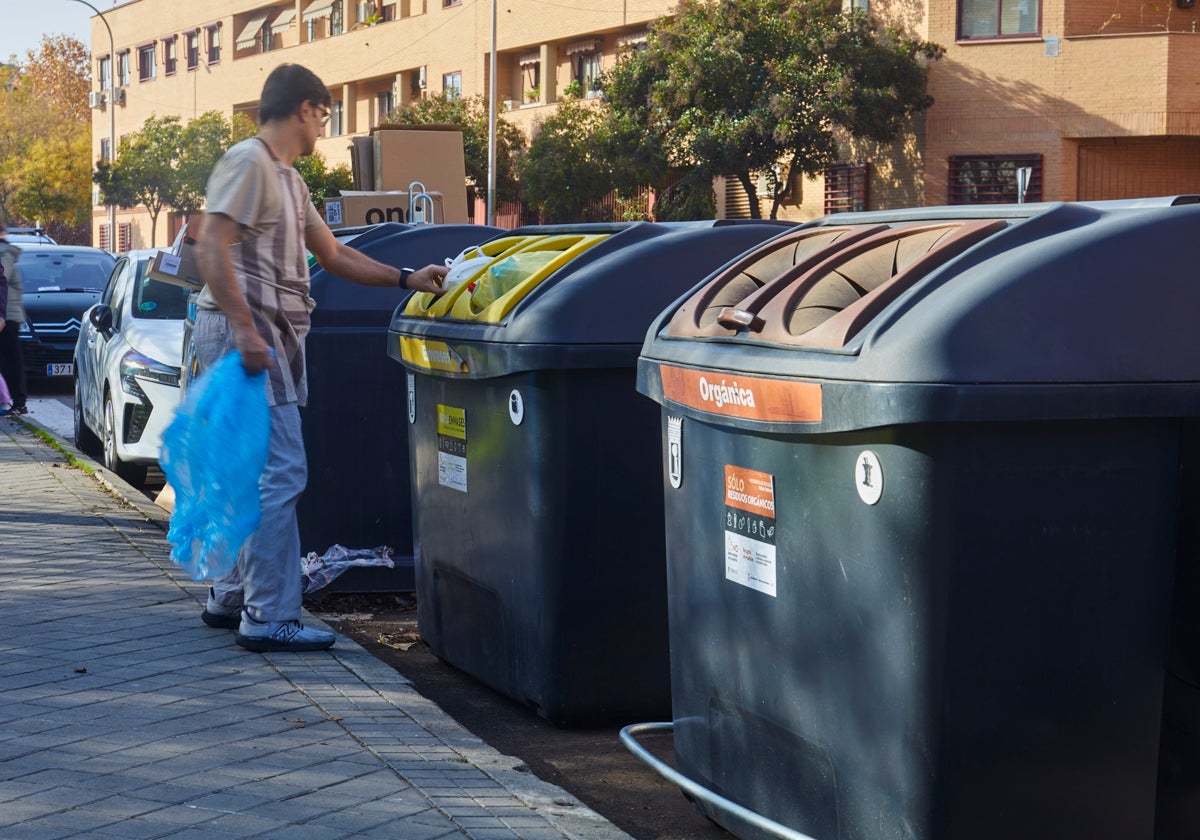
x=272, y=636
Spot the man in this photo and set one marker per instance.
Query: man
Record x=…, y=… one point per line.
x=12, y=315
x=251, y=253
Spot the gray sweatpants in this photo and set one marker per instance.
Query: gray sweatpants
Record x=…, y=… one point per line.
x=267, y=580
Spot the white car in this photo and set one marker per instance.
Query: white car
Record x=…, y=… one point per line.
x=127, y=367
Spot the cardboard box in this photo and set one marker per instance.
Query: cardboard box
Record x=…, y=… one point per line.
x=177, y=269
x=368, y=208
x=430, y=154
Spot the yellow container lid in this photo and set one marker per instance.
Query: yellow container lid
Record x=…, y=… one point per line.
x=518, y=265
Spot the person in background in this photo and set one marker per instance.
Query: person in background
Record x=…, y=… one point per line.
x=259, y=218
x=12, y=315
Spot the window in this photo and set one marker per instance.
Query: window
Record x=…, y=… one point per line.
x=124, y=237
x=386, y=102
x=992, y=179
x=337, y=118
x=192, y=45
x=256, y=34
x=389, y=11
x=447, y=3
x=452, y=86
x=213, y=34
x=846, y=188
x=123, y=69
x=105, y=149
x=531, y=77
x=146, y=62
x=337, y=20
x=170, y=57
x=105, y=71
x=998, y=18
x=586, y=69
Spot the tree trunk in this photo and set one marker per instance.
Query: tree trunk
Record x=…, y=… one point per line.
x=751, y=193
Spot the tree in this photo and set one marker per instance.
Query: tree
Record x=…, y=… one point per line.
x=566, y=169
x=202, y=143
x=45, y=137
x=166, y=164
x=471, y=115
x=322, y=181
x=735, y=87
x=145, y=170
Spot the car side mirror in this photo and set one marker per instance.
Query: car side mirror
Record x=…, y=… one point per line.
x=101, y=317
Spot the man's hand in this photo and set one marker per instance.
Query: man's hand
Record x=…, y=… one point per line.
x=256, y=355
x=1, y=324
x=428, y=279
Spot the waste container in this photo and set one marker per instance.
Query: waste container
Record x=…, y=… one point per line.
x=358, y=484
x=537, y=515
x=925, y=499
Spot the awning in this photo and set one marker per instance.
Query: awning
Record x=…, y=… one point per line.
x=316, y=9
x=253, y=29
x=631, y=40
x=581, y=46
x=284, y=22
x=530, y=58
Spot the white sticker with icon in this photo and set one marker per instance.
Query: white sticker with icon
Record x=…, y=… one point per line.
x=868, y=477
x=516, y=407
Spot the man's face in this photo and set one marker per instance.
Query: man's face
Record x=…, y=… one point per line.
x=314, y=118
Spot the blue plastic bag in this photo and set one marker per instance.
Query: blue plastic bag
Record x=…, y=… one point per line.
x=214, y=452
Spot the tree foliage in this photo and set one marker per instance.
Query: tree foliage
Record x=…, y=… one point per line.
x=566, y=169
x=45, y=138
x=165, y=164
x=322, y=181
x=471, y=115
x=733, y=87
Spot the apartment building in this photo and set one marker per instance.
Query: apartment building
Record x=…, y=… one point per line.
x=172, y=58
x=1090, y=100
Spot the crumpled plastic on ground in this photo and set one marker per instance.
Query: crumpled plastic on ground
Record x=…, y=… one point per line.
x=320, y=571
x=214, y=452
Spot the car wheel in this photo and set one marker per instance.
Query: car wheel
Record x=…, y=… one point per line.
x=85, y=439
x=133, y=473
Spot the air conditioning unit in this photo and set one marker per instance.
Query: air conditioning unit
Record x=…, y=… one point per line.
x=96, y=99
x=119, y=96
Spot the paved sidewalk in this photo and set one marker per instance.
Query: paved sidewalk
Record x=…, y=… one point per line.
x=123, y=716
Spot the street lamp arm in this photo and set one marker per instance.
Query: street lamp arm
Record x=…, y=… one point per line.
x=112, y=117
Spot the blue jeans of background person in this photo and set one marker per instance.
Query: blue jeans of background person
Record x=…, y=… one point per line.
x=267, y=580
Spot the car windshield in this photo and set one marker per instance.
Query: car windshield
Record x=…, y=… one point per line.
x=157, y=300
x=62, y=271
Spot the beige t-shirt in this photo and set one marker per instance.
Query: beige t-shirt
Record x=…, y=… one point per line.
x=271, y=203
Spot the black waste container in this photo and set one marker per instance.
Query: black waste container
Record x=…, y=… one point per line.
x=925, y=501
x=358, y=485
x=538, y=518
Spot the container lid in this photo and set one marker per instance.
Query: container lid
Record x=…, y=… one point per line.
x=579, y=295
x=1016, y=298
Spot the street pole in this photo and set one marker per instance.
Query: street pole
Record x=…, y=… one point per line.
x=112, y=118
x=491, y=187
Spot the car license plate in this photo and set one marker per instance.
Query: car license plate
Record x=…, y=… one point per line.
x=60, y=370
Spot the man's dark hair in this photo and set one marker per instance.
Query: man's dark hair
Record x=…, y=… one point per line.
x=287, y=88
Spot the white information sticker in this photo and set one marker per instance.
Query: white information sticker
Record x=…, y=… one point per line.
x=750, y=529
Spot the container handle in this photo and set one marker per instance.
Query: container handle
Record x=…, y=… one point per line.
x=739, y=319
x=696, y=790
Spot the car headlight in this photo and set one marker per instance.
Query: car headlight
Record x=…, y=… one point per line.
x=135, y=366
